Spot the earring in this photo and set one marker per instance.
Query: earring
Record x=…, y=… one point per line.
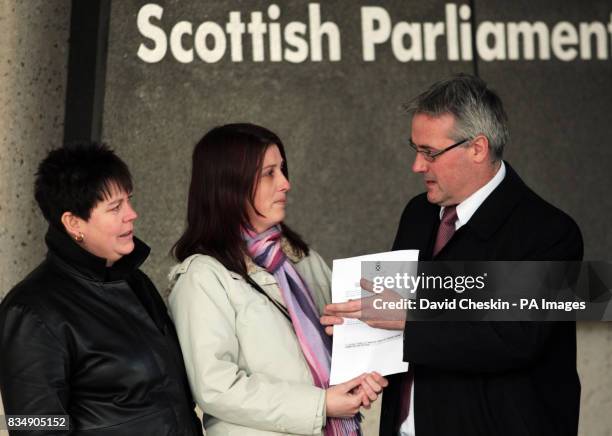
x=79, y=237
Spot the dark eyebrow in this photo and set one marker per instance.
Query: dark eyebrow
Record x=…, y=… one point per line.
x=421, y=146
x=116, y=202
x=273, y=165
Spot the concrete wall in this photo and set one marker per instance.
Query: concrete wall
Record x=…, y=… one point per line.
x=33, y=59
x=34, y=55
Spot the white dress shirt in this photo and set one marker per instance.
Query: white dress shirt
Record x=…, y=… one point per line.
x=465, y=210
x=468, y=207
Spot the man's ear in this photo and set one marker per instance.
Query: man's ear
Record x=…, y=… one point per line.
x=481, y=151
x=72, y=224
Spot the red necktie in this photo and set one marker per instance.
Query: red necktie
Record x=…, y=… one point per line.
x=446, y=229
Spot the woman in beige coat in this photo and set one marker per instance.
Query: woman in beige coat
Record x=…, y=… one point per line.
x=247, y=296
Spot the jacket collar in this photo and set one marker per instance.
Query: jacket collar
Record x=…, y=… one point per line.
x=496, y=209
x=63, y=248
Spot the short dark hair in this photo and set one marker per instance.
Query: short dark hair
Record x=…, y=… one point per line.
x=477, y=109
x=226, y=162
x=76, y=177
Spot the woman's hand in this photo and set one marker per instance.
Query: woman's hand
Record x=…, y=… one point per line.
x=370, y=388
x=343, y=400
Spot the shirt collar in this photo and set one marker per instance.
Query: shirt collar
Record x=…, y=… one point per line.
x=468, y=207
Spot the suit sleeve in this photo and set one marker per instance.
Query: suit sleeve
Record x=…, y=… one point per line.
x=205, y=321
x=493, y=346
x=475, y=346
x=33, y=367
x=562, y=242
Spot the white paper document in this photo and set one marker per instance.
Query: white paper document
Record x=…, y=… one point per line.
x=357, y=347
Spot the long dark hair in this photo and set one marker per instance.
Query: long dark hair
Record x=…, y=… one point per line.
x=226, y=163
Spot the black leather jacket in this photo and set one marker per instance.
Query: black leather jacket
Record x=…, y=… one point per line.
x=95, y=343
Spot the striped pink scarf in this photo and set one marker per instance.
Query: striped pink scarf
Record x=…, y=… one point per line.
x=265, y=250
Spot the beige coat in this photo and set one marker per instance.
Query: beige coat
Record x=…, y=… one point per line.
x=245, y=366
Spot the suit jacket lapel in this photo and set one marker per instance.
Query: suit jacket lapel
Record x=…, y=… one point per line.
x=498, y=206
x=493, y=212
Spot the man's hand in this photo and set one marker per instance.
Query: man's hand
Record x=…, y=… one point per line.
x=387, y=325
x=333, y=314
x=390, y=320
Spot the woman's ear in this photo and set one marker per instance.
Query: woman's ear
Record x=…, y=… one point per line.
x=72, y=224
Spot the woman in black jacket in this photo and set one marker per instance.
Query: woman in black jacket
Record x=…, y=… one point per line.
x=86, y=334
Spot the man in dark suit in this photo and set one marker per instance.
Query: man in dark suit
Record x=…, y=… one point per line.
x=478, y=378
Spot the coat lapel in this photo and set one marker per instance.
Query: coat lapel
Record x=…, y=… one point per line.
x=492, y=213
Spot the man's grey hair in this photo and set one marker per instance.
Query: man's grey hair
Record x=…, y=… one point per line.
x=477, y=110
